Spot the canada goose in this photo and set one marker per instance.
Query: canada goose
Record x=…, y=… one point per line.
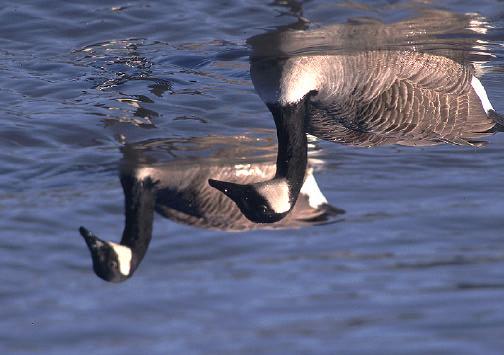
x=178, y=190
x=353, y=84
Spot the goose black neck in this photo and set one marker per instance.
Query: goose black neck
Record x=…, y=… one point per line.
x=139, y=204
x=292, y=145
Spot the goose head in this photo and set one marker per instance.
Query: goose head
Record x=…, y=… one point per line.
x=270, y=201
x=116, y=262
x=111, y=261
x=263, y=202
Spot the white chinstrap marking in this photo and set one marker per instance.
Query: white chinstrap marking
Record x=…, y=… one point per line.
x=143, y=173
x=277, y=195
x=311, y=189
x=300, y=76
x=481, y=92
x=124, y=255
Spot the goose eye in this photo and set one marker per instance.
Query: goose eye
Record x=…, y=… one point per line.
x=112, y=264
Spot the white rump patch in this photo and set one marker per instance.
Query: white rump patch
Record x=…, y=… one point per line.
x=123, y=257
x=310, y=188
x=480, y=91
x=277, y=195
x=480, y=68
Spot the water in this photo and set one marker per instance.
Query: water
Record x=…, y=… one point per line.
x=414, y=266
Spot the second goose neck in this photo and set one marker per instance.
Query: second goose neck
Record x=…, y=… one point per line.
x=139, y=200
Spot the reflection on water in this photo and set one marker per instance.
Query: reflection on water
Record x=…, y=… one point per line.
x=416, y=267
x=118, y=63
x=365, y=83
x=171, y=177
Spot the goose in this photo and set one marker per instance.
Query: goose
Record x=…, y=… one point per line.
x=177, y=189
x=361, y=84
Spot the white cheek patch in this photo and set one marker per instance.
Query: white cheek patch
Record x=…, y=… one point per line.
x=298, y=79
x=123, y=257
x=481, y=92
x=143, y=173
x=311, y=189
x=277, y=195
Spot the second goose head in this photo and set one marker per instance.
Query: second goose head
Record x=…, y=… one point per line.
x=270, y=201
x=111, y=261
x=116, y=262
x=264, y=202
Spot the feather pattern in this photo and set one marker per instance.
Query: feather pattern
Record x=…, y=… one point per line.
x=392, y=97
x=184, y=195
x=410, y=83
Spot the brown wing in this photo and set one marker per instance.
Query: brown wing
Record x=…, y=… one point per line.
x=402, y=98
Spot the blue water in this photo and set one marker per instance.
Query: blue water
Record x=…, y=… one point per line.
x=414, y=266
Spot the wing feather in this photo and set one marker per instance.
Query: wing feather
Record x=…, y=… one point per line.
x=403, y=98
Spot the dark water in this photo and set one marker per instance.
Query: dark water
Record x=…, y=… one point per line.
x=414, y=266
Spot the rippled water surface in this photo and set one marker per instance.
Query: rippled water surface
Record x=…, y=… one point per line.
x=92, y=90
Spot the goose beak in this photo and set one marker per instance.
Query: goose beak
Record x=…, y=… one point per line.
x=92, y=241
x=227, y=188
x=106, y=261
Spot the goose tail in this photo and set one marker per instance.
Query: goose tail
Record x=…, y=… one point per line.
x=498, y=119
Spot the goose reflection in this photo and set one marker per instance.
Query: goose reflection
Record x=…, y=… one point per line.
x=364, y=84
x=178, y=190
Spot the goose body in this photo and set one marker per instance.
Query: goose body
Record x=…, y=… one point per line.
x=386, y=97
